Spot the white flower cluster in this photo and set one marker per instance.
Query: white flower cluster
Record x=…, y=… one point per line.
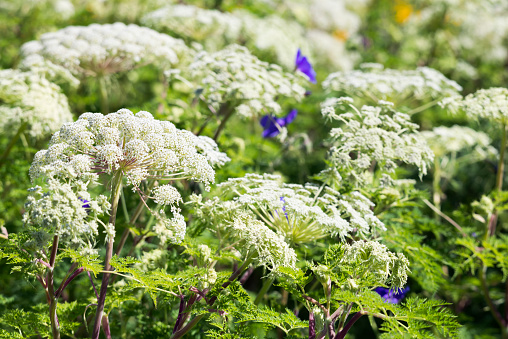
x=236, y=78
x=269, y=35
x=210, y=27
x=459, y=38
x=374, y=82
x=266, y=247
x=491, y=104
x=373, y=136
x=98, y=50
x=373, y=262
x=300, y=212
x=136, y=147
x=451, y=140
x=27, y=99
x=66, y=210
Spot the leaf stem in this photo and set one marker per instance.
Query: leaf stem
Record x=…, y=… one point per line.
x=266, y=286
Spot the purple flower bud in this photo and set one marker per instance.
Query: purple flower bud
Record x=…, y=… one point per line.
x=304, y=66
x=391, y=296
x=272, y=124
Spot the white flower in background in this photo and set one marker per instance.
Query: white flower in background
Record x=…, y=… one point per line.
x=302, y=213
x=330, y=50
x=29, y=101
x=267, y=36
x=375, y=83
x=236, y=79
x=452, y=140
x=490, y=104
x=136, y=147
x=373, y=136
x=212, y=28
x=99, y=50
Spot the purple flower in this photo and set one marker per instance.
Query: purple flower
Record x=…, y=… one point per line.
x=391, y=296
x=86, y=203
x=272, y=124
x=304, y=66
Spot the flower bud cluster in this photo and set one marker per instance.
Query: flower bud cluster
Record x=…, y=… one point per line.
x=373, y=136
x=236, y=78
x=371, y=262
x=105, y=49
x=374, y=82
x=258, y=241
x=28, y=98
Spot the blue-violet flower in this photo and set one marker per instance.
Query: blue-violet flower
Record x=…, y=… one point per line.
x=304, y=66
x=272, y=124
x=393, y=296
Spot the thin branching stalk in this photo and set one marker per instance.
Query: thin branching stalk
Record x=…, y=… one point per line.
x=55, y=326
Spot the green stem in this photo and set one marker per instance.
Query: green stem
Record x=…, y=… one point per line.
x=491, y=228
x=115, y=197
x=12, y=142
x=436, y=188
x=492, y=307
x=104, y=95
x=266, y=286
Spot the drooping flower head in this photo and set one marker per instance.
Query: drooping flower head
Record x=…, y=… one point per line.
x=273, y=125
x=28, y=99
x=303, y=65
x=390, y=295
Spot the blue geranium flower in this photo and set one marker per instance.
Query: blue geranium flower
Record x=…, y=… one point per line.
x=390, y=295
x=86, y=203
x=272, y=124
x=304, y=66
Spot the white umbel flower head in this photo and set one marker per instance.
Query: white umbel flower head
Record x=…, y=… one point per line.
x=235, y=78
x=374, y=82
x=373, y=135
x=302, y=213
x=491, y=104
x=106, y=49
x=138, y=146
x=29, y=100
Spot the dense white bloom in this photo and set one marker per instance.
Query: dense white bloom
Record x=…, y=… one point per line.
x=373, y=136
x=374, y=82
x=170, y=230
x=302, y=213
x=491, y=104
x=166, y=195
x=29, y=99
x=266, y=247
x=234, y=78
x=105, y=49
x=138, y=146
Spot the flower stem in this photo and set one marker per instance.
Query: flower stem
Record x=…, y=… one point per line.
x=227, y=112
x=104, y=95
x=266, y=286
x=115, y=197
